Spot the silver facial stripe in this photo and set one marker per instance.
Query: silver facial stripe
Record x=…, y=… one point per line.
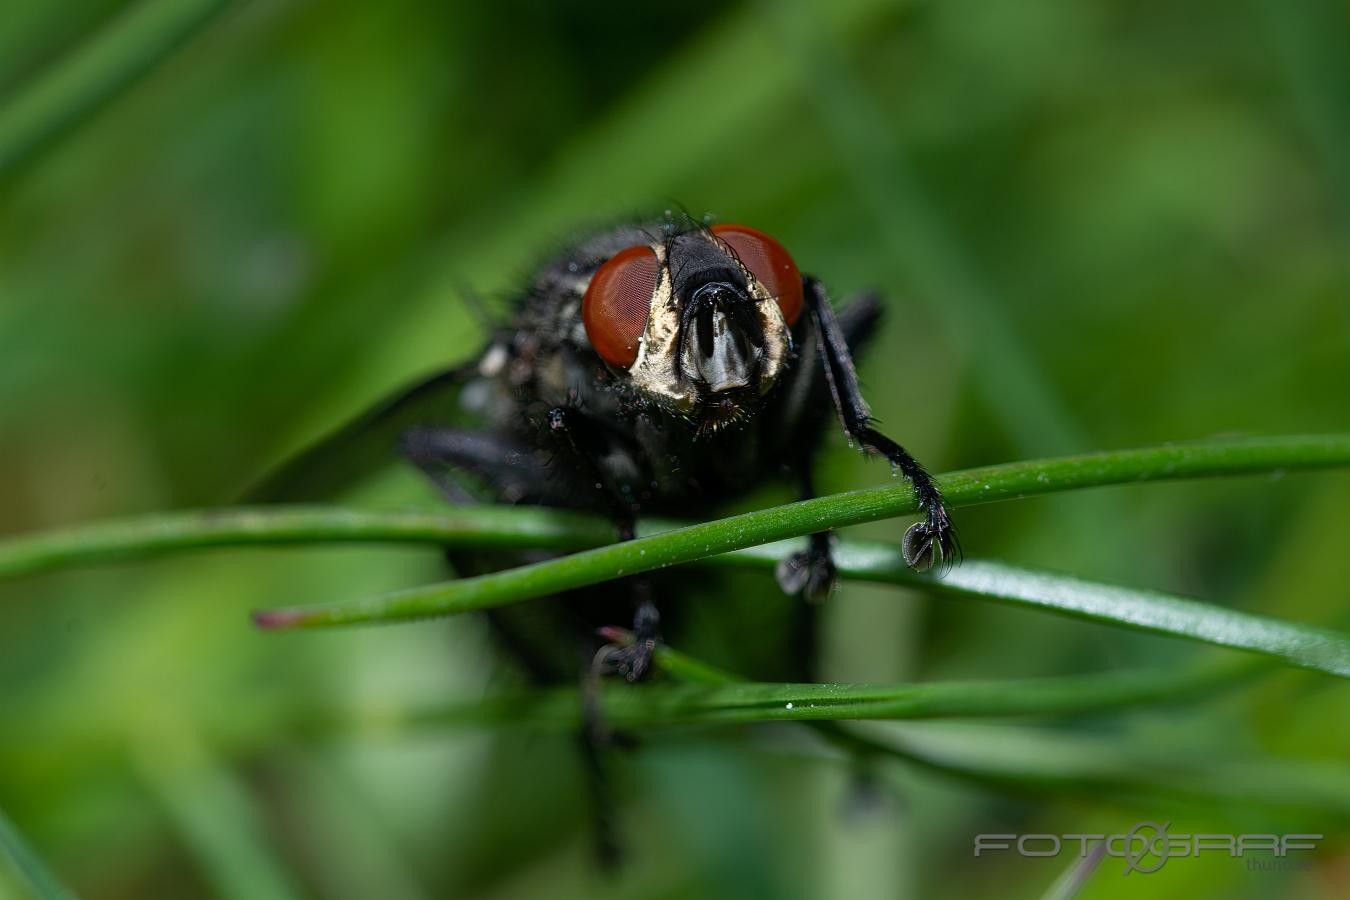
x=728, y=366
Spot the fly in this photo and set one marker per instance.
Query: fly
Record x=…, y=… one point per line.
x=656, y=369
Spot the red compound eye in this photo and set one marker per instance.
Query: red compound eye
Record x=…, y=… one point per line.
x=617, y=302
x=769, y=262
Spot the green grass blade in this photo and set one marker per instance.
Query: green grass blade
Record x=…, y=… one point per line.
x=695, y=542
x=1028, y=760
x=75, y=86
x=1154, y=612
x=1307, y=646
x=731, y=700
x=1016, y=759
x=498, y=527
x=161, y=533
x=515, y=527
x=751, y=702
x=28, y=865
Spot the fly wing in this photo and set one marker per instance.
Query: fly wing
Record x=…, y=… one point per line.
x=366, y=445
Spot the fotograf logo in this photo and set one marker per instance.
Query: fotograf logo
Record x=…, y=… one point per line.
x=1147, y=846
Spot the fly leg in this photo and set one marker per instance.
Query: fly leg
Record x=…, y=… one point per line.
x=931, y=541
x=809, y=572
x=502, y=462
x=517, y=476
x=521, y=473
x=584, y=443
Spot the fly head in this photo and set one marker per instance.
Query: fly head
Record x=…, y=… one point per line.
x=698, y=322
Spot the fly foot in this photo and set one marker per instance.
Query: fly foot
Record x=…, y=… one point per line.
x=931, y=542
x=810, y=572
x=630, y=654
x=632, y=661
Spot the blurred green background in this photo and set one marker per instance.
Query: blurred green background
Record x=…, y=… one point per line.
x=1095, y=225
